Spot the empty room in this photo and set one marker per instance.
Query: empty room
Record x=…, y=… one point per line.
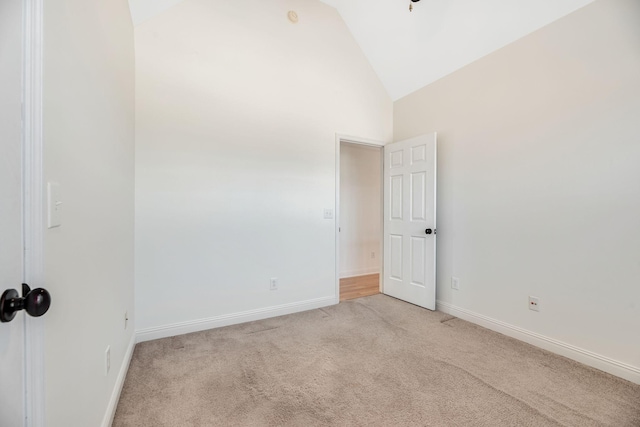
x=319, y=212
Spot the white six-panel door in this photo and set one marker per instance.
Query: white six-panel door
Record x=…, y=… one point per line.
x=410, y=220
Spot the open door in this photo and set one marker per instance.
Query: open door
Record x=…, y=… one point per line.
x=410, y=220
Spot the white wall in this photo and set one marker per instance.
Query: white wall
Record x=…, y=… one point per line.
x=360, y=210
x=236, y=116
x=89, y=149
x=539, y=184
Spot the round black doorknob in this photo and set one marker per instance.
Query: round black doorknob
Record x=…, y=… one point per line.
x=428, y=231
x=37, y=302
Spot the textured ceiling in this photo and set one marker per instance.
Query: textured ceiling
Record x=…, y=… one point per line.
x=409, y=50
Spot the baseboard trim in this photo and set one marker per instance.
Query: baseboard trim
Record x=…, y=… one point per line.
x=350, y=274
x=117, y=389
x=611, y=366
x=181, y=328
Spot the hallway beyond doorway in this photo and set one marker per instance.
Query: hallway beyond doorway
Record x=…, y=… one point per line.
x=359, y=286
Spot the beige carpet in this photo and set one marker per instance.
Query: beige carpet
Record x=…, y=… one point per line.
x=374, y=361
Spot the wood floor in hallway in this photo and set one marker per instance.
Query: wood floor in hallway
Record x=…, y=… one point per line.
x=359, y=286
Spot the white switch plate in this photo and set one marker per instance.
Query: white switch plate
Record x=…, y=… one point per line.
x=455, y=283
x=54, y=202
x=328, y=214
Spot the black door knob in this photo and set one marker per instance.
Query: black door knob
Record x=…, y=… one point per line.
x=428, y=231
x=35, y=302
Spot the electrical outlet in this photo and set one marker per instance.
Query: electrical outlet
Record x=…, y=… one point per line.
x=273, y=283
x=455, y=283
x=107, y=360
x=126, y=319
x=534, y=303
x=373, y=255
x=328, y=214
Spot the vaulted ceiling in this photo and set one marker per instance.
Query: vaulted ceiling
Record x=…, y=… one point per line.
x=409, y=50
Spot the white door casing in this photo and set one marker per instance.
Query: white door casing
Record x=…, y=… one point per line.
x=12, y=368
x=21, y=207
x=409, y=210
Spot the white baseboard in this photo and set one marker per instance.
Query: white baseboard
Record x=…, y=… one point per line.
x=181, y=328
x=117, y=389
x=614, y=367
x=358, y=273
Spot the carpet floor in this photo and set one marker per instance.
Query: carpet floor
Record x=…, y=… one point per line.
x=373, y=361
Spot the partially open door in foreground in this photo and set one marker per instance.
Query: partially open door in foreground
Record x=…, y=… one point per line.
x=410, y=220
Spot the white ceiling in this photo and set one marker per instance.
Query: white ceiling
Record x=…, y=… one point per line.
x=409, y=50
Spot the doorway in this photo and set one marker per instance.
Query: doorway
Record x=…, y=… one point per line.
x=359, y=219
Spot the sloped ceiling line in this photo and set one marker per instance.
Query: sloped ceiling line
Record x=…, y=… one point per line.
x=409, y=50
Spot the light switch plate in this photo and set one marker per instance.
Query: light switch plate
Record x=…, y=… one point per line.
x=54, y=201
x=328, y=214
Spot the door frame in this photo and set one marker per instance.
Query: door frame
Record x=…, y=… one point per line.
x=370, y=143
x=33, y=202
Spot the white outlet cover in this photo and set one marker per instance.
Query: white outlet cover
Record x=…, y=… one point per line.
x=534, y=303
x=455, y=283
x=328, y=214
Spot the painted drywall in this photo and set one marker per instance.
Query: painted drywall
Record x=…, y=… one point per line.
x=11, y=334
x=142, y=10
x=89, y=77
x=360, y=210
x=539, y=181
x=409, y=50
x=236, y=115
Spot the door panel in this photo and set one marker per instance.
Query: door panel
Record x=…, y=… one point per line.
x=11, y=334
x=418, y=253
x=418, y=205
x=397, y=159
x=396, y=197
x=395, y=270
x=410, y=209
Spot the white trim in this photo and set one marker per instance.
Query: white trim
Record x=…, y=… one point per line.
x=340, y=137
x=33, y=204
x=606, y=364
x=181, y=328
x=117, y=390
x=360, y=141
x=359, y=273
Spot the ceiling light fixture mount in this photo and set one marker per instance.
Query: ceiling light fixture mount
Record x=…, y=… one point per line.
x=411, y=5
